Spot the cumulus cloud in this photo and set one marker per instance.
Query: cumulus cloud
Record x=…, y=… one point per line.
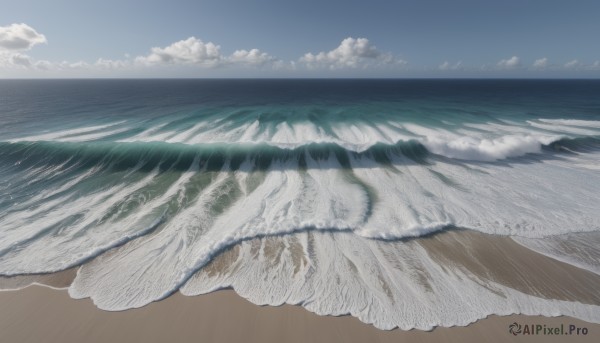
x=14, y=39
x=111, y=64
x=281, y=65
x=43, y=65
x=24, y=62
x=19, y=37
x=510, y=63
x=193, y=51
x=540, y=63
x=188, y=51
x=572, y=64
x=351, y=53
x=448, y=66
x=251, y=57
x=74, y=65
x=20, y=60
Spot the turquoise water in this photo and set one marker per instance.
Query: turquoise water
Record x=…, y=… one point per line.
x=163, y=175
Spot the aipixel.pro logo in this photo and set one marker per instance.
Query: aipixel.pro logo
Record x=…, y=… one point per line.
x=543, y=329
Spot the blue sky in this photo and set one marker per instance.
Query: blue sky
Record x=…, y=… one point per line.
x=256, y=38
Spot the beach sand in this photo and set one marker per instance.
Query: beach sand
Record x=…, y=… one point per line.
x=43, y=314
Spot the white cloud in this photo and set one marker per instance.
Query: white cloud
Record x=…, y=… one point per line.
x=19, y=37
x=43, y=65
x=111, y=64
x=23, y=62
x=281, y=65
x=572, y=64
x=193, y=51
x=14, y=39
x=351, y=53
x=540, y=63
x=510, y=63
x=448, y=66
x=20, y=60
x=188, y=51
x=74, y=65
x=252, y=57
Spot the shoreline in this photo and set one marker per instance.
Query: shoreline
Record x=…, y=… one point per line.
x=42, y=313
x=38, y=307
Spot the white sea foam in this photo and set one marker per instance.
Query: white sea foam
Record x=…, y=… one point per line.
x=401, y=200
x=386, y=284
x=78, y=134
x=573, y=122
x=163, y=225
x=567, y=129
x=52, y=246
x=469, y=148
x=469, y=141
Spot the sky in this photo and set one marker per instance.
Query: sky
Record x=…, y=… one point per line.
x=308, y=38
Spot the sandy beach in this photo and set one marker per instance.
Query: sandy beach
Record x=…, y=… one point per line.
x=42, y=314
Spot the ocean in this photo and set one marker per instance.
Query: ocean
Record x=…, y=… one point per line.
x=322, y=193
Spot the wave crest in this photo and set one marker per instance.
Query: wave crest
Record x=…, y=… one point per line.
x=469, y=148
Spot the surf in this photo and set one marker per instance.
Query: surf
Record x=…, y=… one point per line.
x=144, y=202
